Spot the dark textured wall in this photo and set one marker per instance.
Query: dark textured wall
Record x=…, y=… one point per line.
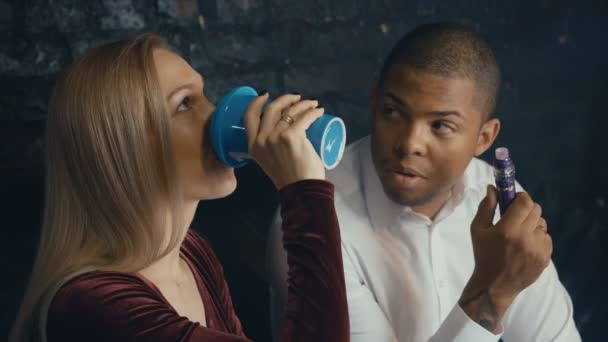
x=553, y=55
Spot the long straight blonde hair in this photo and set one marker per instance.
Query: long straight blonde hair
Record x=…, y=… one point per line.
x=111, y=184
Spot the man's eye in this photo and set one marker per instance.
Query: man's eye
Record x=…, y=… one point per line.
x=185, y=104
x=390, y=112
x=442, y=127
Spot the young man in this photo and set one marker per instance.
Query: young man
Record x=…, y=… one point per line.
x=426, y=257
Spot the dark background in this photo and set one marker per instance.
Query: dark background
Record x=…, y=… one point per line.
x=553, y=55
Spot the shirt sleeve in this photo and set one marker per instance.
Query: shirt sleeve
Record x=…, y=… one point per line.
x=458, y=327
x=108, y=306
x=316, y=308
x=542, y=312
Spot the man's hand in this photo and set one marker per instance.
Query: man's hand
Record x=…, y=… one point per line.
x=509, y=257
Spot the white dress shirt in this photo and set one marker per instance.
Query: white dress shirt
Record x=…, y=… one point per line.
x=405, y=273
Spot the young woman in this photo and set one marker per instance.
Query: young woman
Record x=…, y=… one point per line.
x=128, y=160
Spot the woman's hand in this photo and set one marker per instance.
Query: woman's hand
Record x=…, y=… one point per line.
x=277, y=140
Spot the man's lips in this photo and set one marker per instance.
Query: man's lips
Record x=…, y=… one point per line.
x=406, y=171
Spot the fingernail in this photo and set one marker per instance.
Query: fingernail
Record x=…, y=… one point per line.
x=263, y=92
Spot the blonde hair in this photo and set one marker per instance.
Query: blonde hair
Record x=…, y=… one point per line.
x=111, y=184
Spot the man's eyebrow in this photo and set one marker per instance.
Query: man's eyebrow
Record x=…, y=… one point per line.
x=444, y=113
x=441, y=113
x=396, y=98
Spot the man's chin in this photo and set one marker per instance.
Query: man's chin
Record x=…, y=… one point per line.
x=407, y=199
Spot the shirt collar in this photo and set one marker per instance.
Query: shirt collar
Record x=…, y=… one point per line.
x=382, y=211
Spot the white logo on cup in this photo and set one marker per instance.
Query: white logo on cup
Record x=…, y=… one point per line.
x=330, y=145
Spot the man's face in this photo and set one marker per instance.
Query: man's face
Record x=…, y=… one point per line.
x=426, y=129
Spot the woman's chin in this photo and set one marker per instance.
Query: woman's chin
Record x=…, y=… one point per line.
x=221, y=188
x=229, y=190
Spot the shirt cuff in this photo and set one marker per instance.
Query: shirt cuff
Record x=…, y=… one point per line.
x=458, y=327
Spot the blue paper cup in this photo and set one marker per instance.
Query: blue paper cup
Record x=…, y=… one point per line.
x=327, y=134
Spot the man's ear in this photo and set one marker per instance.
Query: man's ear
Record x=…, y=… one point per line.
x=487, y=135
x=373, y=98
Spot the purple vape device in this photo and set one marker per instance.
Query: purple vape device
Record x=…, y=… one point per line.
x=504, y=175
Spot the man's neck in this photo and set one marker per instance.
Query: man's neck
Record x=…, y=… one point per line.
x=433, y=207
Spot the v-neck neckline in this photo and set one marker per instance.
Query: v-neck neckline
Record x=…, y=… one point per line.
x=199, y=285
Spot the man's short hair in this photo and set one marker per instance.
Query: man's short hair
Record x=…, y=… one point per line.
x=449, y=50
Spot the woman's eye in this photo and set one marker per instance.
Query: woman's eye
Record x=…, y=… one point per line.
x=185, y=104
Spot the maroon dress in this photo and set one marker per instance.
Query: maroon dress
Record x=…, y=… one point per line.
x=113, y=306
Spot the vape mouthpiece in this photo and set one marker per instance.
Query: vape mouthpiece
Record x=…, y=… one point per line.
x=502, y=153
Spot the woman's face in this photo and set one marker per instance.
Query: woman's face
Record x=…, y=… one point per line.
x=200, y=174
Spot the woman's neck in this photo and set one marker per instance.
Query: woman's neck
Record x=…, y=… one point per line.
x=169, y=266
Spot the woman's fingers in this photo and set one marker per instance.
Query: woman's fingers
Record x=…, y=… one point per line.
x=252, y=120
x=306, y=119
x=295, y=110
x=283, y=150
x=272, y=114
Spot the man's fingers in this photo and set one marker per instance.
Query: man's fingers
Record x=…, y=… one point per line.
x=518, y=211
x=486, y=210
x=542, y=225
x=545, y=245
x=532, y=221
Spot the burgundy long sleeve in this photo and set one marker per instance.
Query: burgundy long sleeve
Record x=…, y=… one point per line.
x=316, y=293
x=113, y=306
